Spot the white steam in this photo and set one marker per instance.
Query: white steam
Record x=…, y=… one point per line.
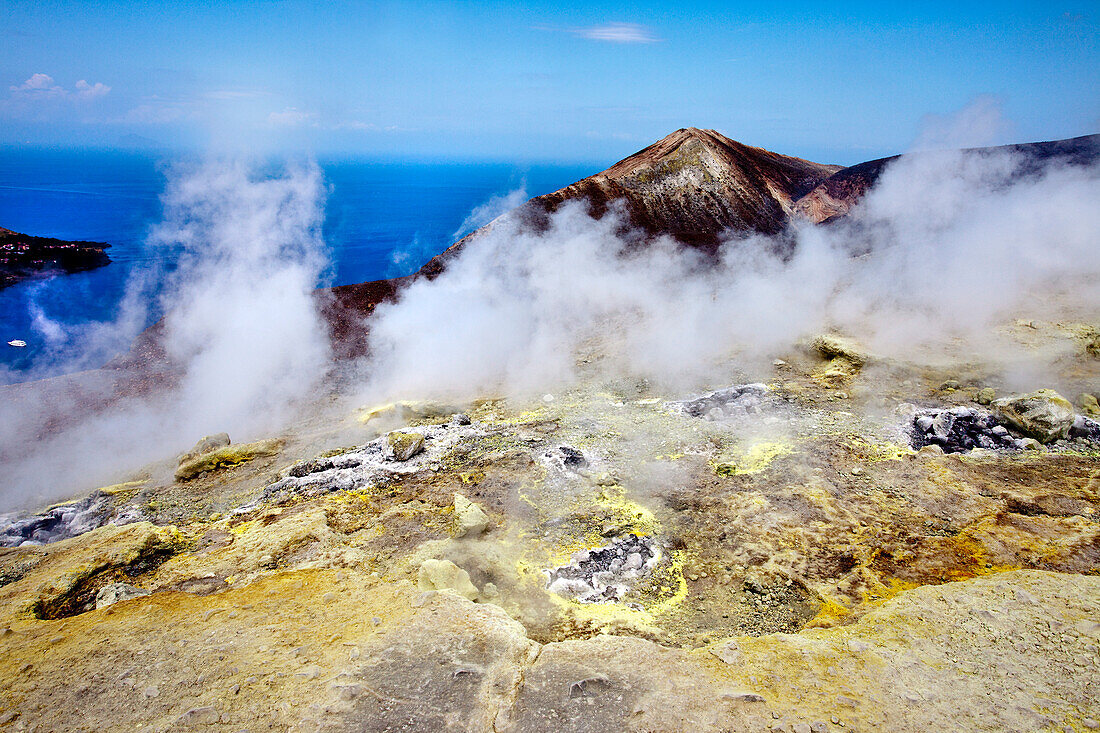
x=241, y=326
x=242, y=316
x=960, y=242
x=484, y=213
x=945, y=248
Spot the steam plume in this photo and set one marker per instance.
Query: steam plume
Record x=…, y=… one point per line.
x=241, y=326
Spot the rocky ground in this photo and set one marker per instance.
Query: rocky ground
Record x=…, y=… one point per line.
x=853, y=543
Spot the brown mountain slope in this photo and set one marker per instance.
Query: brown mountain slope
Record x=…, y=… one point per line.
x=834, y=197
x=696, y=184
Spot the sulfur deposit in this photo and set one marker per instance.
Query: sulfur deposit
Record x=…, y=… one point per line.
x=758, y=555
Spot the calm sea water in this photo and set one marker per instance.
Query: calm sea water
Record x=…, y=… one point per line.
x=374, y=209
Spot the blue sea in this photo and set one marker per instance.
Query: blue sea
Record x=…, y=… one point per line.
x=374, y=209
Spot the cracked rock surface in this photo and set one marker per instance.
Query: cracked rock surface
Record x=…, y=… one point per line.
x=321, y=650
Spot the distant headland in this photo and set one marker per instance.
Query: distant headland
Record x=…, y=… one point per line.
x=24, y=256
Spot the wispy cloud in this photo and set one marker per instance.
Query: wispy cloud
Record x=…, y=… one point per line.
x=290, y=117
x=617, y=33
x=222, y=95
x=42, y=86
x=155, y=112
x=353, y=125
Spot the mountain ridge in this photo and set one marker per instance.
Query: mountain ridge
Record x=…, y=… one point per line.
x=782, y=188
x=835, y=197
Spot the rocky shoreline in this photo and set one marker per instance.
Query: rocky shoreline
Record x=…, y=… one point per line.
x=23, y=257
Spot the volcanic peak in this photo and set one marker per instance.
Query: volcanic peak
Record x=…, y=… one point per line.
x=697, y=186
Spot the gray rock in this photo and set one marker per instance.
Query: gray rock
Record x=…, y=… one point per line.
x=1085, y=429
x=206, y=715
x=57, y=523
x=404, y=446
x=942, y=423
x=605, y=573
x=742, y=697
x=205, y=445
x=114, y=592
x=1043, y=415
x=445, y=575
x=470, y=518
x=739, y=400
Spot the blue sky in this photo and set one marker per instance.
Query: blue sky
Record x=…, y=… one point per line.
x=834, y=82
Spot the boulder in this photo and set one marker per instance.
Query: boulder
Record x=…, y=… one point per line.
x=986, y=395
x=1085, y=428
x=226, y=456
x=446, y=576
x=114, y=592
x=405, y=445
x=832, y=346
x=470, y=518
x=1044, y=414
x=206, y=445
x=1089, y=405
x=838, y=372
x=402, y=413
x=845, y=360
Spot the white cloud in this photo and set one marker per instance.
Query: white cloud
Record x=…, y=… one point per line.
x=241, y=324
x=38, y=85
x=354, y=125
x=617, y=33
x=84, y=90
x=950, y=247
x=41, y=87
x=290, y=117
x=981, y=123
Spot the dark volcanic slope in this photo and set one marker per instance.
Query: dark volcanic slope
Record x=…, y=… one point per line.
x=834, y=197
x=23, y=256
x=697, y=184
